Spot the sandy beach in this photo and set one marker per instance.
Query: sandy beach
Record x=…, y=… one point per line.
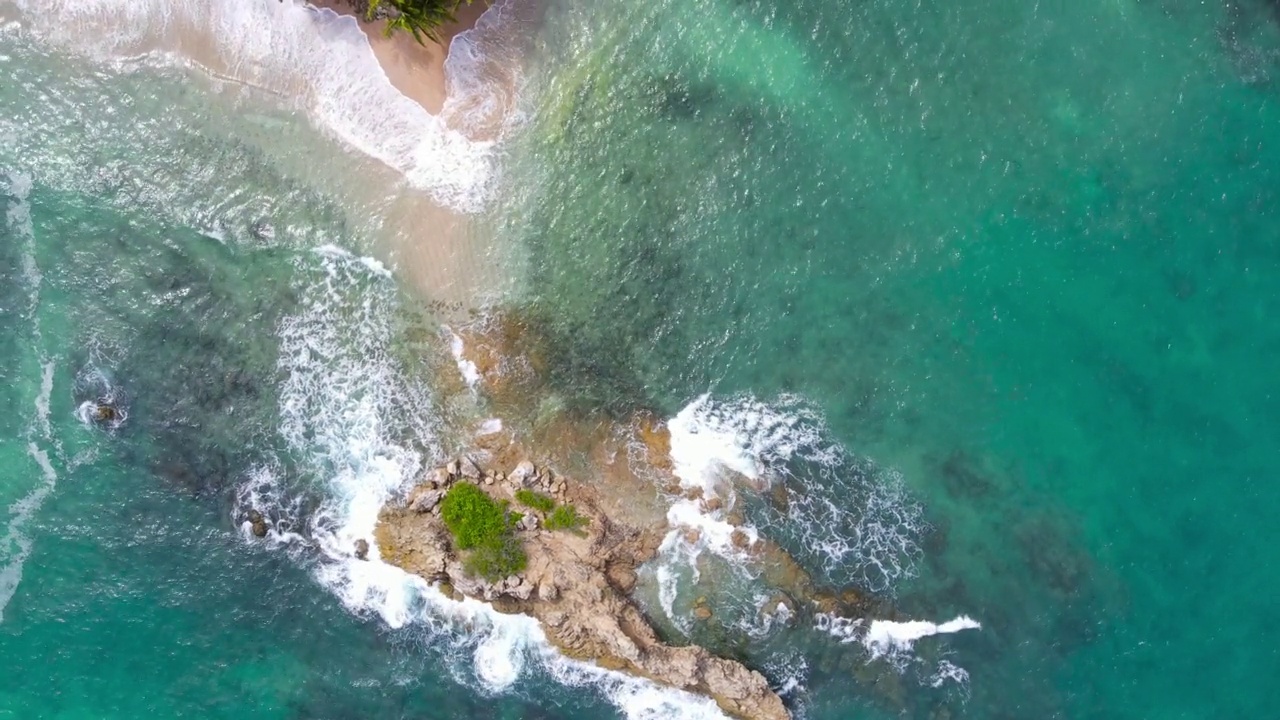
x=415, y=69
x=430, y=160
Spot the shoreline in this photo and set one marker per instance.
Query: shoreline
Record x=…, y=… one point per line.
x=416, y=70
x=454, y=269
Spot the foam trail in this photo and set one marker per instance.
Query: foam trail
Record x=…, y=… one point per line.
x=16, y=545
x=23, y=510
x=318, y=59
x=886, y=636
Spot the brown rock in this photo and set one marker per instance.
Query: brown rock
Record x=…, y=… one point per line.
x=713, y=504
x=622, y=577
x=740, y=539
x=257, y=523
x=362, y=549
x=437, y=478
x=576, y=586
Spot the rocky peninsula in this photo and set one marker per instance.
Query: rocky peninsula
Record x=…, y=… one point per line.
x=576, y=581
x=574, y=506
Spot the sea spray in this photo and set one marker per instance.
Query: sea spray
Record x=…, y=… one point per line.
x=893, y=642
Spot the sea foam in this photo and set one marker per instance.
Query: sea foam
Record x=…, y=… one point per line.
x=314, y=59
x=365, y=427
x=16, y=545
x=851, y=517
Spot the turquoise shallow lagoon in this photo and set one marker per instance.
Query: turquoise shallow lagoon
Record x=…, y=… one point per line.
x=1020, y=259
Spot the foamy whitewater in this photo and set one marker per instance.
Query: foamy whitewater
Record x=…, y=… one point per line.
x=313, y=58
x=721, y=448
x=366, y=429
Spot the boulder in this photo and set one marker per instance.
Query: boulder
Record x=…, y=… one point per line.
x=623, y=578
x=547, y=591
x=524, y=473
x=426, y=500
x=257, y=523
x=438, y=478
x=362, y=549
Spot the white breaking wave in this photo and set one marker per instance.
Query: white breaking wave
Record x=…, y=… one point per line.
x=315, y=58
x=366, y=428
x=894, y=641
x=467, y=369
x=484, y=69
x=885, y=637
x=849, y=516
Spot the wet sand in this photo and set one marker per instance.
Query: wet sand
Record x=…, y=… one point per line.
x=434, y=248
x=416, y=70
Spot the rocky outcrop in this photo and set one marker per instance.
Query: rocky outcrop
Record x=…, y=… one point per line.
x=575, y=583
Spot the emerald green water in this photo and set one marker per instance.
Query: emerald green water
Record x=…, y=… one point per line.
x=1019, y=258
x=1023, y=254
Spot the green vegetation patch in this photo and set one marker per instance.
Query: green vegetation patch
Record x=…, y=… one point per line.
x=485, y=527
x=423, y=18
x=535, y=500
x=496, y=559
x=566, y=517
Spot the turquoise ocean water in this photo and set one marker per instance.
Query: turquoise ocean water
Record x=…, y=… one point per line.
x=1008, y=269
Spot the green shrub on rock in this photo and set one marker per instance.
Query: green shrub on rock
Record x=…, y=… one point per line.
x=566, y=517
x=483, y=526
x=535, y=500
x=496, y=559
x=472, y=516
